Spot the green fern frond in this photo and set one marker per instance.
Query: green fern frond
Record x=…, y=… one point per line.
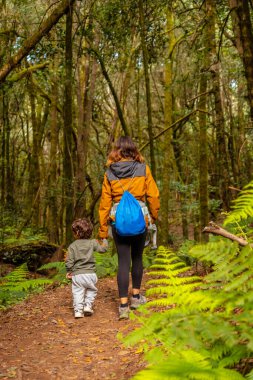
x=249, y=376
x=16, y=286
x=161, y=302
x=58, y=265
x=242, y=207
x=18, y=274
x=215, y=252
x=212, y=316
x=176, y=280
x=169, y=273
x=190, y=365
x=167, y=266
x=187, y=288
x=29, y=284
x=60, y=275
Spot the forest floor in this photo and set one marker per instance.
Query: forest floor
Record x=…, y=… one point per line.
x=41, y=340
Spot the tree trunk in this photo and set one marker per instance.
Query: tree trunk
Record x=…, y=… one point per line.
x=53, y=232
x=9, y=174
x=167, y=139
x=222, y=155
x=203, y=142
x=34, y=172
x=67, y=133
x=3, y=148
x=203, y=158
x=147, y=85
x=86, y=99
x=243, y=34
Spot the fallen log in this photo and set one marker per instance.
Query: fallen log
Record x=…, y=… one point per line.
x=34, y=254
x=213, y=228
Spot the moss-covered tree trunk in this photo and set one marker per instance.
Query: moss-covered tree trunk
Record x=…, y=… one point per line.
x=147, y=86
x=222, y=153
x=167, y=138
x=203, y=139
x=52, y=193
x=67, y=133
x=87, y=80
x=243, y=34
x=3, y=148
x=33, y=193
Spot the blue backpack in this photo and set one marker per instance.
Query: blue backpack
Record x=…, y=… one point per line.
x=129, y=218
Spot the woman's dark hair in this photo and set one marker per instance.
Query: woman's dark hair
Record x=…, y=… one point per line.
x=82, y=228
x=124, y=147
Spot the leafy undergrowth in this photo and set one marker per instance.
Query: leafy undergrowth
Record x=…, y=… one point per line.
x=16, y=286
x=195, y=327
x=10, y=235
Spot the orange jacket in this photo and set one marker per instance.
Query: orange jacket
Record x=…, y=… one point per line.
x=133, y=176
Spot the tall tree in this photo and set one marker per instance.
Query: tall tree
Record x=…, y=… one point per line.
x=243, y=37
x=52, y=222
x=147, y=86
x=167, y=139
x=203, y=139
x=215, y=67
x=87, y=79
x=67, y=132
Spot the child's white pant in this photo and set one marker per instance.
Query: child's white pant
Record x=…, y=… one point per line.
x=84, y=290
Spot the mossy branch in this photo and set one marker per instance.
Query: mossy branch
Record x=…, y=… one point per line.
x=23, y=73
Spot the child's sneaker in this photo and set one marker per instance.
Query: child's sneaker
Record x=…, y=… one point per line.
x=87, y=310
x=123, y=312
x=136, y=302
x=78, y=314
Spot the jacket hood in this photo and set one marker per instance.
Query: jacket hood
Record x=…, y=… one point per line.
x=124, y=169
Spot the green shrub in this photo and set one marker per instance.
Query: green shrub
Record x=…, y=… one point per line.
x=202, y=327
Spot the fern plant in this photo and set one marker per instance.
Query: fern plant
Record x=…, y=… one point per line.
x=16, y=286
x=203, y=325
x=241, y=215
x=59, y=273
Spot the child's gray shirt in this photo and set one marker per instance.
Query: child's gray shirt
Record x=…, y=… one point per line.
x=80, y=257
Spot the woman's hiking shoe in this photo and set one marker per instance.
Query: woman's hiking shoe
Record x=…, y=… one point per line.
x=87, y=310
x=123, y=313
x=78, y=314
x=136, y=302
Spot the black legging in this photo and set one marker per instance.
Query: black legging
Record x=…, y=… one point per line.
x=129, y=247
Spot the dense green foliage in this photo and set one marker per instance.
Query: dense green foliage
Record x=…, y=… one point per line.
x=204, y=327
x=241, y=216
x=16, y=286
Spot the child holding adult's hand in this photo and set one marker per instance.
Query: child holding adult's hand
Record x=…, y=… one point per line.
x=81, y=268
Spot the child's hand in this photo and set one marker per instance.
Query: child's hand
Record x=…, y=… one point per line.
x=104, y=243
x=69, y=276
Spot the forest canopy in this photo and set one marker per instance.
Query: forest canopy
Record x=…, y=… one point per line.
x=175, y=75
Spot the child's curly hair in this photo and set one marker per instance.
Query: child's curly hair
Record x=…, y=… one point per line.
x=82, y=228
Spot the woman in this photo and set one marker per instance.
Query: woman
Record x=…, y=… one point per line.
x=127, y=171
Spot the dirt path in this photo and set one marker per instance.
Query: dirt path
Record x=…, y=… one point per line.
x=40, y=339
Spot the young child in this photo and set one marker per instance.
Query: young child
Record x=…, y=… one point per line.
x=80, y=266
